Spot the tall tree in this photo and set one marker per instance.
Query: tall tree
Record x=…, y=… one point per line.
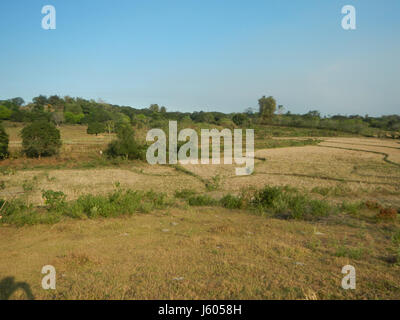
x=154, y=108
x=18, y=101
x=39, y=102
x=267, y=107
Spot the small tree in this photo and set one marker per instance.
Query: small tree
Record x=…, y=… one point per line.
x=40, y=139
x=5, y=113
x=57, y=118
x=125, y=145
x=267, y=108
x=3, y=143
x=239, y=119
x=154, y=108
x=95, y=128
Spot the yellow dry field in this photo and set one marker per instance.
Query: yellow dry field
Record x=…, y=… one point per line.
x=208, y=253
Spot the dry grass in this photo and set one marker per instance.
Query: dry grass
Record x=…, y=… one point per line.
x=198, y=254
x=206, y=253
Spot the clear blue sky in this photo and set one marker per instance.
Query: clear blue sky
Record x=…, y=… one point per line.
x=206, y=54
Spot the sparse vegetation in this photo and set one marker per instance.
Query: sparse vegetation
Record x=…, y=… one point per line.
x=305, y=206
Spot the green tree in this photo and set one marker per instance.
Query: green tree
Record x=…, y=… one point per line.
x=55, y=101
x=267, y=107
x=40, y=139
x=154, y=108
x=125, y=145
x=18, y=101
x=73, y=118
x=73, y=108
x=5, y=113
x=96, y=128
x=39, y=102
x=239, y=119
x=3, y=142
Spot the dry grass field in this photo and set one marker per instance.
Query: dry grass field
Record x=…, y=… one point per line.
x=186, y=252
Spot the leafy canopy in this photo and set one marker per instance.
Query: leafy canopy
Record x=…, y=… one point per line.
x=40, y=139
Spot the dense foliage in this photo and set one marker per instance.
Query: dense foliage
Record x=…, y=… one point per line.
x=99, y=115
x=96, y=128
x=40, y=139
x=125, y=145
x=3, y=143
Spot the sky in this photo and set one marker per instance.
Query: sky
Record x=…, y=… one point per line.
x=211, y=55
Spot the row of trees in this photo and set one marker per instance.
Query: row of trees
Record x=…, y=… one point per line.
x=103, y=117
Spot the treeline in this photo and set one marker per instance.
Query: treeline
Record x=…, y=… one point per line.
x=104, y=117
x=385, y=126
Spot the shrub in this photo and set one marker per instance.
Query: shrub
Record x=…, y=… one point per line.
x=387, y=214
x=5, y=113
x=202, y=200
x=267, y=196
x=214, y=184
x=54, y=199
x=3, y=143
x=125, y=145
x=239, y=119
x=232, y=202
x=41, y=138
x=116, y=203
x=352, y=208
x=289, y=203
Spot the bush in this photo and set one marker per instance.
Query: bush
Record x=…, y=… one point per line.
x=214, y=184
x=232, y=202
x=3, y=143
x=352, y=208
x=267, y=196
x=125, y=145
x=40, y=139
x=202, y=200
x=5, y=113
x=116, y=203
x=289, y=203
x=96, y=128
x=54, y=199
x=240, y=119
